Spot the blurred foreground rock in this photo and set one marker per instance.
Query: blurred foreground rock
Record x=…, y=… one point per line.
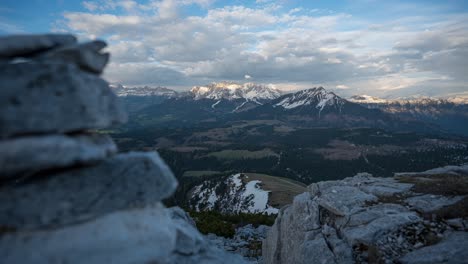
x=66, y=196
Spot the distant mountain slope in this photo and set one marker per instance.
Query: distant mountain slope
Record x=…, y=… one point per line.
x=317, y=98
x=244, y=193
x=315, y=107
x=233, y=91
x=137, y=98
x=449, y=114
x=318, y=107
x=120, y=90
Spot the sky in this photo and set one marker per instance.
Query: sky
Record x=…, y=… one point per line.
x=382, y=48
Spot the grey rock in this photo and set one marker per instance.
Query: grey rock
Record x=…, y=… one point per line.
x=343, y=200
x=316, y=251
x=86, y=55
x=29, y=45
x=147, y=235
x=272, y=245
x=355, y=226
x=178, y=214
x=369, y=214
x=241, y=242
x=45, y=97
x=386, y=187
x=125, y=181
x=388, y=222
x=428, y=202
x=191, y=246
x=452, y=249
x=342, y=252
x=291, y=227
x=133, y=236
x=456, y=223
x=35, y=153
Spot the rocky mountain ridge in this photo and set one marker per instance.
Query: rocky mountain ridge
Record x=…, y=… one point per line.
x=319, y=98
x=232, y=91
x=412, y=218
x=120, y=90
x=423, y=100
x=450, y=114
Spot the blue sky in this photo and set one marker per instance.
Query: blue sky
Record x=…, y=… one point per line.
x=383, y=48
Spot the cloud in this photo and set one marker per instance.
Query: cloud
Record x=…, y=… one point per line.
x=91, y=6
x=342, y=86
x=247, y=77
x=154, y=42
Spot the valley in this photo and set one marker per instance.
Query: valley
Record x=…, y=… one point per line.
x=309, y=136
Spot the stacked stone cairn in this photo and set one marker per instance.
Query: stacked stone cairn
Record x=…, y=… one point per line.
x=66, y=195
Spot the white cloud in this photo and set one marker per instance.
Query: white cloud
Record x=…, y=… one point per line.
x=286, y=47
x=91, y=6
x=342, y=86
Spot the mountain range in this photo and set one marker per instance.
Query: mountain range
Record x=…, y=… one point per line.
x=315, y=107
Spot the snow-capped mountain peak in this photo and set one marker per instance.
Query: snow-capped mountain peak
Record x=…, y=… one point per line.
x=415, y=100
x=231, y=91
x=316, y=97
x=367, y=99
x=121, y=90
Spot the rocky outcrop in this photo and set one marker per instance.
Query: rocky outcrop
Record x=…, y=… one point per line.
x=247, y=242
x=411, y=218
x=66, y=195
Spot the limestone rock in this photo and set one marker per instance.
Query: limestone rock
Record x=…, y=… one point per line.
x=242, y=241
x=29, y=45
x=125, y=181
x=341, y=200
x=364, y=219
x=388, y=222
x=86, y=55
x=133, y=236
x=452, y=249
x=427, y=203
x=193, y=247
x=316, y=251
x=32, y=154
x=290, y=228
x=44, y=97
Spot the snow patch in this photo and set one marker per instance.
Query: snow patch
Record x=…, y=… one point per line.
x=239, y=197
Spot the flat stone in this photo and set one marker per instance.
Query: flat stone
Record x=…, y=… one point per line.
x=428, y=202
x=87, y=56
x=131, y=236
x=456, y=223
x=36, y=153
x=369, y=214
x=48, y=97
x=131, y=180
x=387, y=188
x=30, y=45
x=452, y=249
x=388, y=222
x=343, y=200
